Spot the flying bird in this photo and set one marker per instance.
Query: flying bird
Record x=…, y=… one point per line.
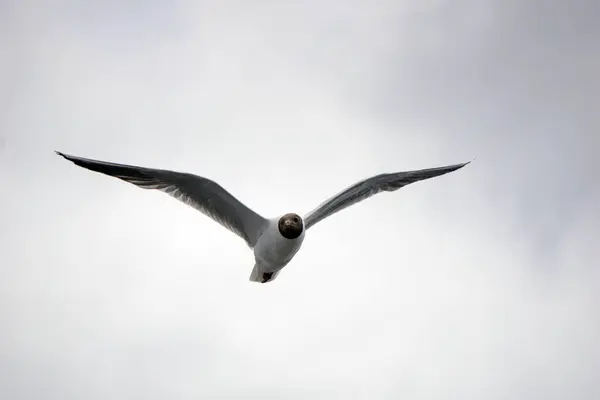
x=275, y=241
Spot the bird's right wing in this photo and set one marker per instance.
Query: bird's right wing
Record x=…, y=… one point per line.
x=200, y=193
x=368, y=187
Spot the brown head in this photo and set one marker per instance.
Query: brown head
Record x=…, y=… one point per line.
x=290, y=226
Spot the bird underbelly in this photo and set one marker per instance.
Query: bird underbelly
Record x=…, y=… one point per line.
x=274, y=254
x=274, y=258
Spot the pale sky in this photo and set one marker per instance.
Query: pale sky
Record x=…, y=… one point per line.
x=480, y=284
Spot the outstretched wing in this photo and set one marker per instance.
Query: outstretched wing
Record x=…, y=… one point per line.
x=200, y=193
x=371, y=186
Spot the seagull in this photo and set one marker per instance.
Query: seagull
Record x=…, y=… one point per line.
x=275, y=241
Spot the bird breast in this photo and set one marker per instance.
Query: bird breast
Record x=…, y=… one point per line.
x=273, y=250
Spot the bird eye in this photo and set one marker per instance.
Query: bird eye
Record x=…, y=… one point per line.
x=296, y=219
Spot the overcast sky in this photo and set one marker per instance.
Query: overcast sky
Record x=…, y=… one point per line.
x=481, y=284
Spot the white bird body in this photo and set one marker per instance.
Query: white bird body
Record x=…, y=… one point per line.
x=272, y=251
x=274, y=241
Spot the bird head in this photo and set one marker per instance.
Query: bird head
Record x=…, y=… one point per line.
x=290, y=226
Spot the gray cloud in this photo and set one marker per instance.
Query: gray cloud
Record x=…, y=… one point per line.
x=479, y=284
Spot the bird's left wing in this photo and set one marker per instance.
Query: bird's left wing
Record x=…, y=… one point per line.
x=203, y=194
x=371, y=186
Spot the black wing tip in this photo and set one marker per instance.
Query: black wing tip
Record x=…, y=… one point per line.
x=74, y=159
x=63, y=155
x=459, y=166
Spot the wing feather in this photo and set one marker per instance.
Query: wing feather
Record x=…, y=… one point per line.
x=366, y=188
x=201, y=193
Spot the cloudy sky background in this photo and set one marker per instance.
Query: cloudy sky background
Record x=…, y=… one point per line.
x=479, y=284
